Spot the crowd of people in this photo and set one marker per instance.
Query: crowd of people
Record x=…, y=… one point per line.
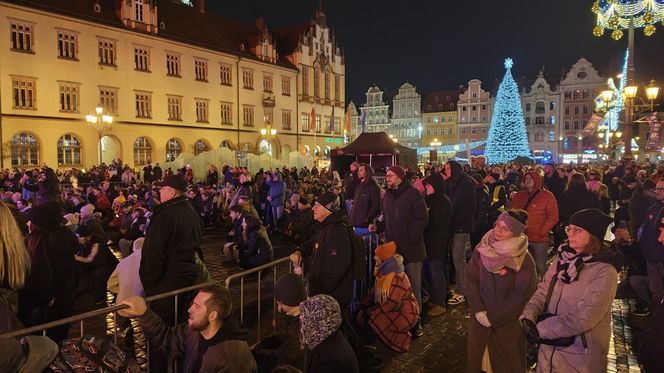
x=527, y=247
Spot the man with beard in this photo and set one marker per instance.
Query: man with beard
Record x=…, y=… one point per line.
x=211, y=341
x=366, y=202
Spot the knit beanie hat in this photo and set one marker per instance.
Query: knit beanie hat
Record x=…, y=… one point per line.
x=513, y=224
x=46, y=215
x=399, y=171
x=88, y=209
x=386, y=250
x=320, y=316
x=289, y=290
x=329, y=200
x=593, y=220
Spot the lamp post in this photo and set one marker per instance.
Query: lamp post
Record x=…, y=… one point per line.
x=101, y=123
x=268, y=132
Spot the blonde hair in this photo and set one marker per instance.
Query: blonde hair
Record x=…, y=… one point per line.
x=14, y=258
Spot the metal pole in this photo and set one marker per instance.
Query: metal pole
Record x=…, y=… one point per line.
x=629, y=107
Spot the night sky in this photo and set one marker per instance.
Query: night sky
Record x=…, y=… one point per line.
x=440, y=44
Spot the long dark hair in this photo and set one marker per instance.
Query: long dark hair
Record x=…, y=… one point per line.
x=39, y=241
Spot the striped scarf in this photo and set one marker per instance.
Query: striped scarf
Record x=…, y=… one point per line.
x=570, y=263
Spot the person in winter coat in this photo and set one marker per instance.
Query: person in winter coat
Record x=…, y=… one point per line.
x=652, y=245
x=542, y=212
x=326, y=349
x=212, y=176
x=553, y=182
x=210, y=341
x=436, y=242
x=49, y=291
x=642, y=198
x=390, y=308
x=255, y=246
x=366, y=200
x=498, y=197
x=93, y=220
x=329, y=270
x=276, y=198
x=483, y=205
x=501, y=279
x=461, y=191
x=244, y=189
x=577, y=197
x=570, y=313
x=405, y=217
x=351, y=183
x=299, y=229
x=95, y=263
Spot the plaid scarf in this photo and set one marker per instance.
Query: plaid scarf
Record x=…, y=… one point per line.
x=570, y=263
x=384, y=274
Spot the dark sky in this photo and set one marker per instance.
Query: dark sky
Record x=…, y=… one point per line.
x=440, y=44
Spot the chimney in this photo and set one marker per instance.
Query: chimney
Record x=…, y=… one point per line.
x=200, y=4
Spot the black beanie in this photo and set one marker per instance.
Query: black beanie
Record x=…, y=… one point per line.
x=329, y=200
x=593, y=220
x=46, y=215
x=289, y=290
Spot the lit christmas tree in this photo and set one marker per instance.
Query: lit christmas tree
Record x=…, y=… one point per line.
x=507, y=133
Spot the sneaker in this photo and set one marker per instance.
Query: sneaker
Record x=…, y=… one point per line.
x=417, y=331
x=456, y=299
x=436, y=310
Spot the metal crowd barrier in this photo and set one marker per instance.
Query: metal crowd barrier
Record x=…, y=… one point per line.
x=361, y=288
x=259, y=271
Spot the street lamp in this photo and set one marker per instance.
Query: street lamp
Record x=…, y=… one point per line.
x=652, y=90
x=435, y=143
x=101, y=123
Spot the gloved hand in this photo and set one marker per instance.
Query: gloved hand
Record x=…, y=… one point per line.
x=483, y=319
x=530, y=330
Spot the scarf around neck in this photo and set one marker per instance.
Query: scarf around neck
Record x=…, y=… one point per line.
x=508, y=253
x=384, y=274
x=570, y=263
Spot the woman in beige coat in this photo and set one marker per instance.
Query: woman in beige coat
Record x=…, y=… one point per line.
x=573, y=325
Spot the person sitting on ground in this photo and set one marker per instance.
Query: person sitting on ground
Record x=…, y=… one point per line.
x=255, y=248
x=92, y=219
x=95, y=263
x=299, y=229
x=390, y=308
x=325, y=347
x=211, y=341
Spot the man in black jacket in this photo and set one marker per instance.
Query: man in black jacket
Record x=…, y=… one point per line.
x=352, y=181
x=171, y=242
x=461, y=191
x=366, y=204
x=553, y=182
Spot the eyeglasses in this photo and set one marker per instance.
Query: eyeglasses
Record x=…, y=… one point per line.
x=572, y=230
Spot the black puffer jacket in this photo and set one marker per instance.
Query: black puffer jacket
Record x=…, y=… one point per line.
x=405, y=217
x=575, y=199
x=437, y=232
x=255, y=245
x=331, y=259
x=461, y=191
x=174, y=235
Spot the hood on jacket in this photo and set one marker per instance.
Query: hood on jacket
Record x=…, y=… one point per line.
x=455, y=170
x=437, y=182
x=536, y=178
x=400, y=189
x=369, y=173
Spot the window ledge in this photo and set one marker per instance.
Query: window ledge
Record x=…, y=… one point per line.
x=22, y=51
x=143, y=70
x=74, y=59
x=174, y=75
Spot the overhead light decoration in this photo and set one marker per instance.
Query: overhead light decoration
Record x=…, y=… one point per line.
x=617, y=15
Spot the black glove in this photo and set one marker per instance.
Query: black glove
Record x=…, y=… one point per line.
x=530, y=330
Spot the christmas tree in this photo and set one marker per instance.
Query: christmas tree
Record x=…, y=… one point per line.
x=507, y=132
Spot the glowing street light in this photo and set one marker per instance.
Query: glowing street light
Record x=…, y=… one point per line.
x=101, y=123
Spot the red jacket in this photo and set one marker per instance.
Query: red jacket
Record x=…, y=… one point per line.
x=542, y=210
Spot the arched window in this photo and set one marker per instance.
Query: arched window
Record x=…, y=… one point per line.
x=307, y=150
x=69, y=150
x=173, y=149
x=142, y=151
x=326, y=152
x=226, y=144
x=24, y=149
x=200, y=146
x=316, y=151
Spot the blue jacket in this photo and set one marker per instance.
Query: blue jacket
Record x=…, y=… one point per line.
x=277, y=190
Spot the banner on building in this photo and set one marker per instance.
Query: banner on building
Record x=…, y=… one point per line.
x=655, y=133
x=592, y=125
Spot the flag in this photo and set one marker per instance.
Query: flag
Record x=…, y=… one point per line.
x=348, y=113
x=312, y=126
x=363, y=119
x=332, y=121
x=655, y=133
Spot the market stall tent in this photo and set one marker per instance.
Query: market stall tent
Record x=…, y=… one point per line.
x=375, y=149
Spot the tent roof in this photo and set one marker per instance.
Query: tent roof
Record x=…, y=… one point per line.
x=373, y=143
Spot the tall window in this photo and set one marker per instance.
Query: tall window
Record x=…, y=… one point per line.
x=305, y=122
x=202, y=110
x=305, y=81
x=327, y=85
x=226, y=113
x=200, y=146
x=201, y=70
x=267, y=82
x=24, y=149
x=143, y=105
x=173, y=149
x=23, y=90
x=337, y=87
x=248, y=115
x=139, y=10
x=174, y=107
x=318, y=123
x=69, y=150
x=286, y=119
x=142, y=59
x=67, y=44
x=108, y=99
x=173, y=64
x=107, y=52
x=247, y=79
x=316, y=83
x=69, y=97
x=21, y=36
x=285, y=85
x=142, y=151
x=226, y=74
